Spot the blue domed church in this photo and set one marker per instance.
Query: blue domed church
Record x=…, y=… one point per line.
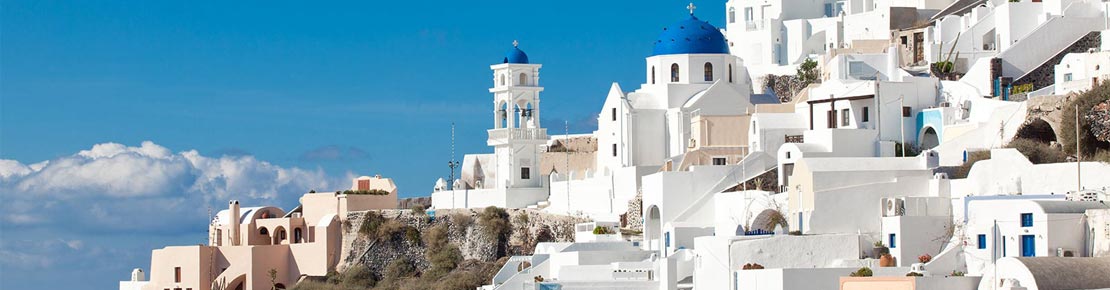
x=694, y=92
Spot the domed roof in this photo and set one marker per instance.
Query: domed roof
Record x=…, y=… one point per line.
x=515, y=55
x=690, y=36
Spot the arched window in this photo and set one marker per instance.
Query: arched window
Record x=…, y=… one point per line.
x=732, y=15
x=708, y=72
x=653, y=74
x=523, y=79
x=730, y=73
x=674, y=72
x=263, y=231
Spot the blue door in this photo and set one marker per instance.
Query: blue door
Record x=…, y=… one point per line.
x=1028, y=248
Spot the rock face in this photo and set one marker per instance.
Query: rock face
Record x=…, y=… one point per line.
x=1099, y=118
x=633, y=218
x=464, y=230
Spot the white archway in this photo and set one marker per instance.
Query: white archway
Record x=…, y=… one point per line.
x=929, y=138
x=653, y=228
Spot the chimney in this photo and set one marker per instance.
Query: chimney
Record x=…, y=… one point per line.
x=233, y=221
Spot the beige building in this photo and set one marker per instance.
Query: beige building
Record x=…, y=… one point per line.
x=246, y=243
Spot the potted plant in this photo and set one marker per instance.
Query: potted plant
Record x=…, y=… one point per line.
x=879, y=250
x=886, y=260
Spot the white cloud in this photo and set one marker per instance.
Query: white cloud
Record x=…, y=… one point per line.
x=142, y=189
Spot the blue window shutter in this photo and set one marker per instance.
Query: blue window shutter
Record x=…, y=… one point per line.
x=982, y=241
x=1026, y=220
x=892, y=244
x=667, y=239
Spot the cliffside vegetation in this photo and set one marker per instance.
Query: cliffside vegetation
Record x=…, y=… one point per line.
x=1094, y=124
x=452, y=249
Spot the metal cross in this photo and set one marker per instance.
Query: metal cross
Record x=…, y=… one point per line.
x=515, y=43
x=691, y=7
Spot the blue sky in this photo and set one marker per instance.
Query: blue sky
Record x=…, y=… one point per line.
x=259, y=101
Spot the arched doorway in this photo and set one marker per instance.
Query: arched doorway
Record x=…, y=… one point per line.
x=1037, y=130
x=264, y=235
x=652, y=228
x=279, y=235
x=929, y=138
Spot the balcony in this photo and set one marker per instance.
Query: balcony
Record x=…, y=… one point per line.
x=503, y=135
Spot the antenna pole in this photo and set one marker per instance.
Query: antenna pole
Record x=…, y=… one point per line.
x=1078, y=154
x=452, y=164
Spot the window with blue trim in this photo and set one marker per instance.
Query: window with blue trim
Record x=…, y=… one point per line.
x=891, y=242
x=1026, y=220
x=982, y=241
x=667, y=239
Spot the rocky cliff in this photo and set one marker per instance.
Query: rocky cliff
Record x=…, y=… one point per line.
x=376, y=239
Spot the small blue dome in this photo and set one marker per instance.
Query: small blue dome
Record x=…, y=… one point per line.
x=516, y=55
x=690, y=36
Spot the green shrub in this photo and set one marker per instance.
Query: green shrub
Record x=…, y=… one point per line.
x=398, y=269
x=436, y=237
x=371, y=221
x=495, y=222
x=914, y=274
x=333, y=277
x=412, y=234
x=862, y=272
x=358, y=276
x=460, y=280
x=600, y=230
x=366, y=192
x=808, y=73
x=1038, y=152
x=957, y=274
x=1086, y=101
x=419, y=209
x=1021, y=89
x=443, y=261
x=1101, y=156
x=943, y=66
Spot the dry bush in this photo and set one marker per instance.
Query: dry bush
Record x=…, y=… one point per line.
x=1038, y=152
x=972, y=156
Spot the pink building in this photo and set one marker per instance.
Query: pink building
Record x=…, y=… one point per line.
x=246, y=243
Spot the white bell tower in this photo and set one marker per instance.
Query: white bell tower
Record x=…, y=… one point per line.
x=516, y=134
